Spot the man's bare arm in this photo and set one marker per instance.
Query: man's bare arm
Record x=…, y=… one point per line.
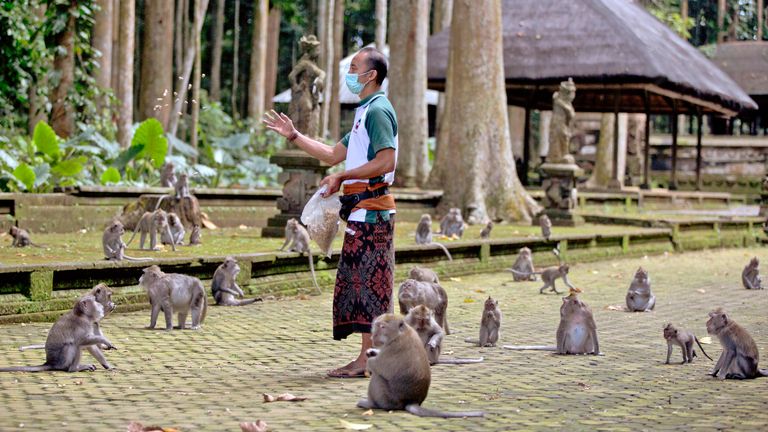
x=283, y=125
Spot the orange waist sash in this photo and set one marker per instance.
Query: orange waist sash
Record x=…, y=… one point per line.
x=384, y=202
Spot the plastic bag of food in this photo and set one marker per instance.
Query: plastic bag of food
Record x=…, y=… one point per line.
x=321, y=216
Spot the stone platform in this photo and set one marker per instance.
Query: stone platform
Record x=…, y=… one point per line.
x=211, y=380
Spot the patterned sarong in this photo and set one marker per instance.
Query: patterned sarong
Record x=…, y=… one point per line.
x=364, y=278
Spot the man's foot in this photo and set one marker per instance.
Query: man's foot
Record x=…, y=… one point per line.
x=347, y=373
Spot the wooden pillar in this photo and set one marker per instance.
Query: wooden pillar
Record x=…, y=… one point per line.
x=526, y=147
x=647, y=155
x=673, y=120
x=615, y=171
x=698, y=149
x=760, y=23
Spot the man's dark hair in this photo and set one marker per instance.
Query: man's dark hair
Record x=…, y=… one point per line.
x=377, y=62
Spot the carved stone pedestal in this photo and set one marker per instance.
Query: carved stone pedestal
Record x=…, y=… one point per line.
x=764, y=198
x=300, y=177
x=559, y=186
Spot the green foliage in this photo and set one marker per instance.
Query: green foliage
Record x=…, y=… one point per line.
x=151, y=137
x=45, y=140
x=25, y=175
x=111, y=175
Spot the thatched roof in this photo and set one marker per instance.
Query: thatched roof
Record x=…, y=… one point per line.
x=613, y=49
x=747, y=63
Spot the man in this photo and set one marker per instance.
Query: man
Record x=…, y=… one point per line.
x=364, y=279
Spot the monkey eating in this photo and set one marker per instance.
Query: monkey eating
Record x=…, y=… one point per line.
x=523, y=266
x=224, y=285
x=740, y=355
x=297, y=240
x=490, y=325
x=413, y=293
x=399, y=370
x=422, y=320
x=103, y=296
x=113, y=245
x=684, y=339
x=750, y=276
x=423, y=274
x=171, y=292
x=639, y=297
x=21, y=238
x=168, y=176
x=70, y=334
x=452, y=224
x=152, y=223
x=424, y=234
x=175, y=233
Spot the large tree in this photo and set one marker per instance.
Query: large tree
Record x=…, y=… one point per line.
x=334, y=110
x=381, y=21
x=218, y=38
x=409, y=30
x=256, y=81
x=441, y=20
x=102, y=41
x=273, y=45
x=125, y=68
x=62, y=111
x=156, y=87
x=475, y=165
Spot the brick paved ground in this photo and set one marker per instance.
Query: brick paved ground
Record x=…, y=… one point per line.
x=214, y=378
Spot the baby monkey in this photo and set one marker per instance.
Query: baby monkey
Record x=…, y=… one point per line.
x=546, y=226
x=297, y=240
x=21, y=238
x=486, y=232
x=549, y=275
x=684, y=339
x=224, y=285
x=750, y=276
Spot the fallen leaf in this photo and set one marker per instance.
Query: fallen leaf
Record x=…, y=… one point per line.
x=706, y=340
x=468, y=300
x=243, y=227
x=354, y=426
x=368, y=413
x=481, y=291
x=701, y=290
x=455, y=279
x=138, y=427
x=285, y=397
x=615, y=307
x=257, y=426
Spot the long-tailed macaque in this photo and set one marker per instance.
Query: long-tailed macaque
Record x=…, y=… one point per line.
x=549, y=275
x=168, y=176
x=297, y=240
x=546, y=226
x=172, y=292
x=423, y=274
x=399, y=370
x=750, y=276
x=452, y=224
x=740, y=354
x=684, y=339
x=175, y=233
x=70, y=334
x=424, y=234
x=639, y=296
x=224, y=285
x=113, y=244
x=422, y=319
x=485, y=233
x=577, y=333
x=21, y=238
x=152, y=223
x=523, y=266
x=413, y=293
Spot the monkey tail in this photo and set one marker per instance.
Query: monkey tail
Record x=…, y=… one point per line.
x=173, y=241
x=133, y=236
x=472, y=341
x=130, y=258
x=159, y=201
x=312, y=269
x=762, y=372
x=41, y=368
x=29, y=347
x=205, y=304
x=420, y=411
x=701, y=348
x=445, y=249
x=530, y=347
x=456, y=361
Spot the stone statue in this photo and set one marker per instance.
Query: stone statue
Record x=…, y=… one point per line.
x=307, y=83
x=561, y=124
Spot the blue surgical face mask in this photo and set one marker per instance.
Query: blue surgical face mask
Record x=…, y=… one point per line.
x=353, y=85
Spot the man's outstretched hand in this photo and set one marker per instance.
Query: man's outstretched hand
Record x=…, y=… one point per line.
x=279, y=123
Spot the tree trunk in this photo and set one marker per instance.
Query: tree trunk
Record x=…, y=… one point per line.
x=273, y=44
x=156, y=67
x=326, y=60
x=516, y=116
x=603, y=169
x=334, y=115
x=62, y=113
x=200, y=8
x=479, y=151
x=125, y=70
x=178, y=39
x=218, y=38
x=407, y=87
x=114, y=80
x=720, y=21
x=102, y=41
x=37, y=111
x=441, y=21
x=381, y=23
x=760, y=15
x=190, y=61
x=235, y=66
x=256, y=81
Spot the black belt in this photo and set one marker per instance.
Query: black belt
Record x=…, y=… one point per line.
x=350, y=201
